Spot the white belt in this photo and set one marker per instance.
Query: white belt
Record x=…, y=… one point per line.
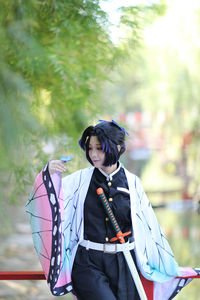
x=107, y=248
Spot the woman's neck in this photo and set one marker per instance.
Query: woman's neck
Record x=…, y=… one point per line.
x=110, y=169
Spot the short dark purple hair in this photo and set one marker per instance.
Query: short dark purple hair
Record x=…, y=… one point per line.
x=109, y=136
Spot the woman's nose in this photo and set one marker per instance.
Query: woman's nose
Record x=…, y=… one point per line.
x=94, y=153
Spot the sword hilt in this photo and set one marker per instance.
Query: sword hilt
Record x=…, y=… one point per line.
x=119, y=235
x=118, y=238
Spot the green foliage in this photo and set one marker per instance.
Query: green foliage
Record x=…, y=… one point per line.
x=130, y=83
x=161, y=74
x=136, y=18
x=59, y=47
x=53, y=58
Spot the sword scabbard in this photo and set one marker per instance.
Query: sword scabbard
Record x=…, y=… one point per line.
x=120, y=237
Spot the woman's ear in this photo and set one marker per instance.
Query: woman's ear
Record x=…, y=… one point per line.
x=119, y=148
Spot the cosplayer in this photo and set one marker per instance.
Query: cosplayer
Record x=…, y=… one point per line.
x=71, y=230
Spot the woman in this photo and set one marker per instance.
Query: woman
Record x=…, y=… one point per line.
x=72, y=233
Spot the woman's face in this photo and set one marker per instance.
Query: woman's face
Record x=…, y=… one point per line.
x=96, y=154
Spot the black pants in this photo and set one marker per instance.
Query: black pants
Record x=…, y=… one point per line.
x=102, y=276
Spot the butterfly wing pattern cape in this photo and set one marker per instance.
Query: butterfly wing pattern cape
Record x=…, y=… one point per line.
x=55, y=210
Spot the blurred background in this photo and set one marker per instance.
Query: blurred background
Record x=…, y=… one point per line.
x=66, y=64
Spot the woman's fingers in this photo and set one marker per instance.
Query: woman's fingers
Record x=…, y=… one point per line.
x=56, y=166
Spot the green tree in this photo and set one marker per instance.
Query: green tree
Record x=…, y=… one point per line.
x=161, y=74
x=53, y=58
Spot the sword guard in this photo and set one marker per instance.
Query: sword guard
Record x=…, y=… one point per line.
x=120, y=237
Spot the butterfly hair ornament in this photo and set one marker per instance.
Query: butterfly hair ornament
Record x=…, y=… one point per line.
x=117, y=126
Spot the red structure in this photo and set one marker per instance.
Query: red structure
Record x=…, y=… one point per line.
x=39, y=275
x=23, y=275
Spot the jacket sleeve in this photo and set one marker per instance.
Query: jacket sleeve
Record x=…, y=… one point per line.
x=45, y=211
x=158, y=259
x=154, y=250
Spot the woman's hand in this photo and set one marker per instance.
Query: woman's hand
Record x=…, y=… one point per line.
x=56, y=166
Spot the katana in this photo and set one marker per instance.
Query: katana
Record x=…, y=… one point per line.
x=120, y=236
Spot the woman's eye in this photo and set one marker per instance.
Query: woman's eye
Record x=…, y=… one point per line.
x=100, y=149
